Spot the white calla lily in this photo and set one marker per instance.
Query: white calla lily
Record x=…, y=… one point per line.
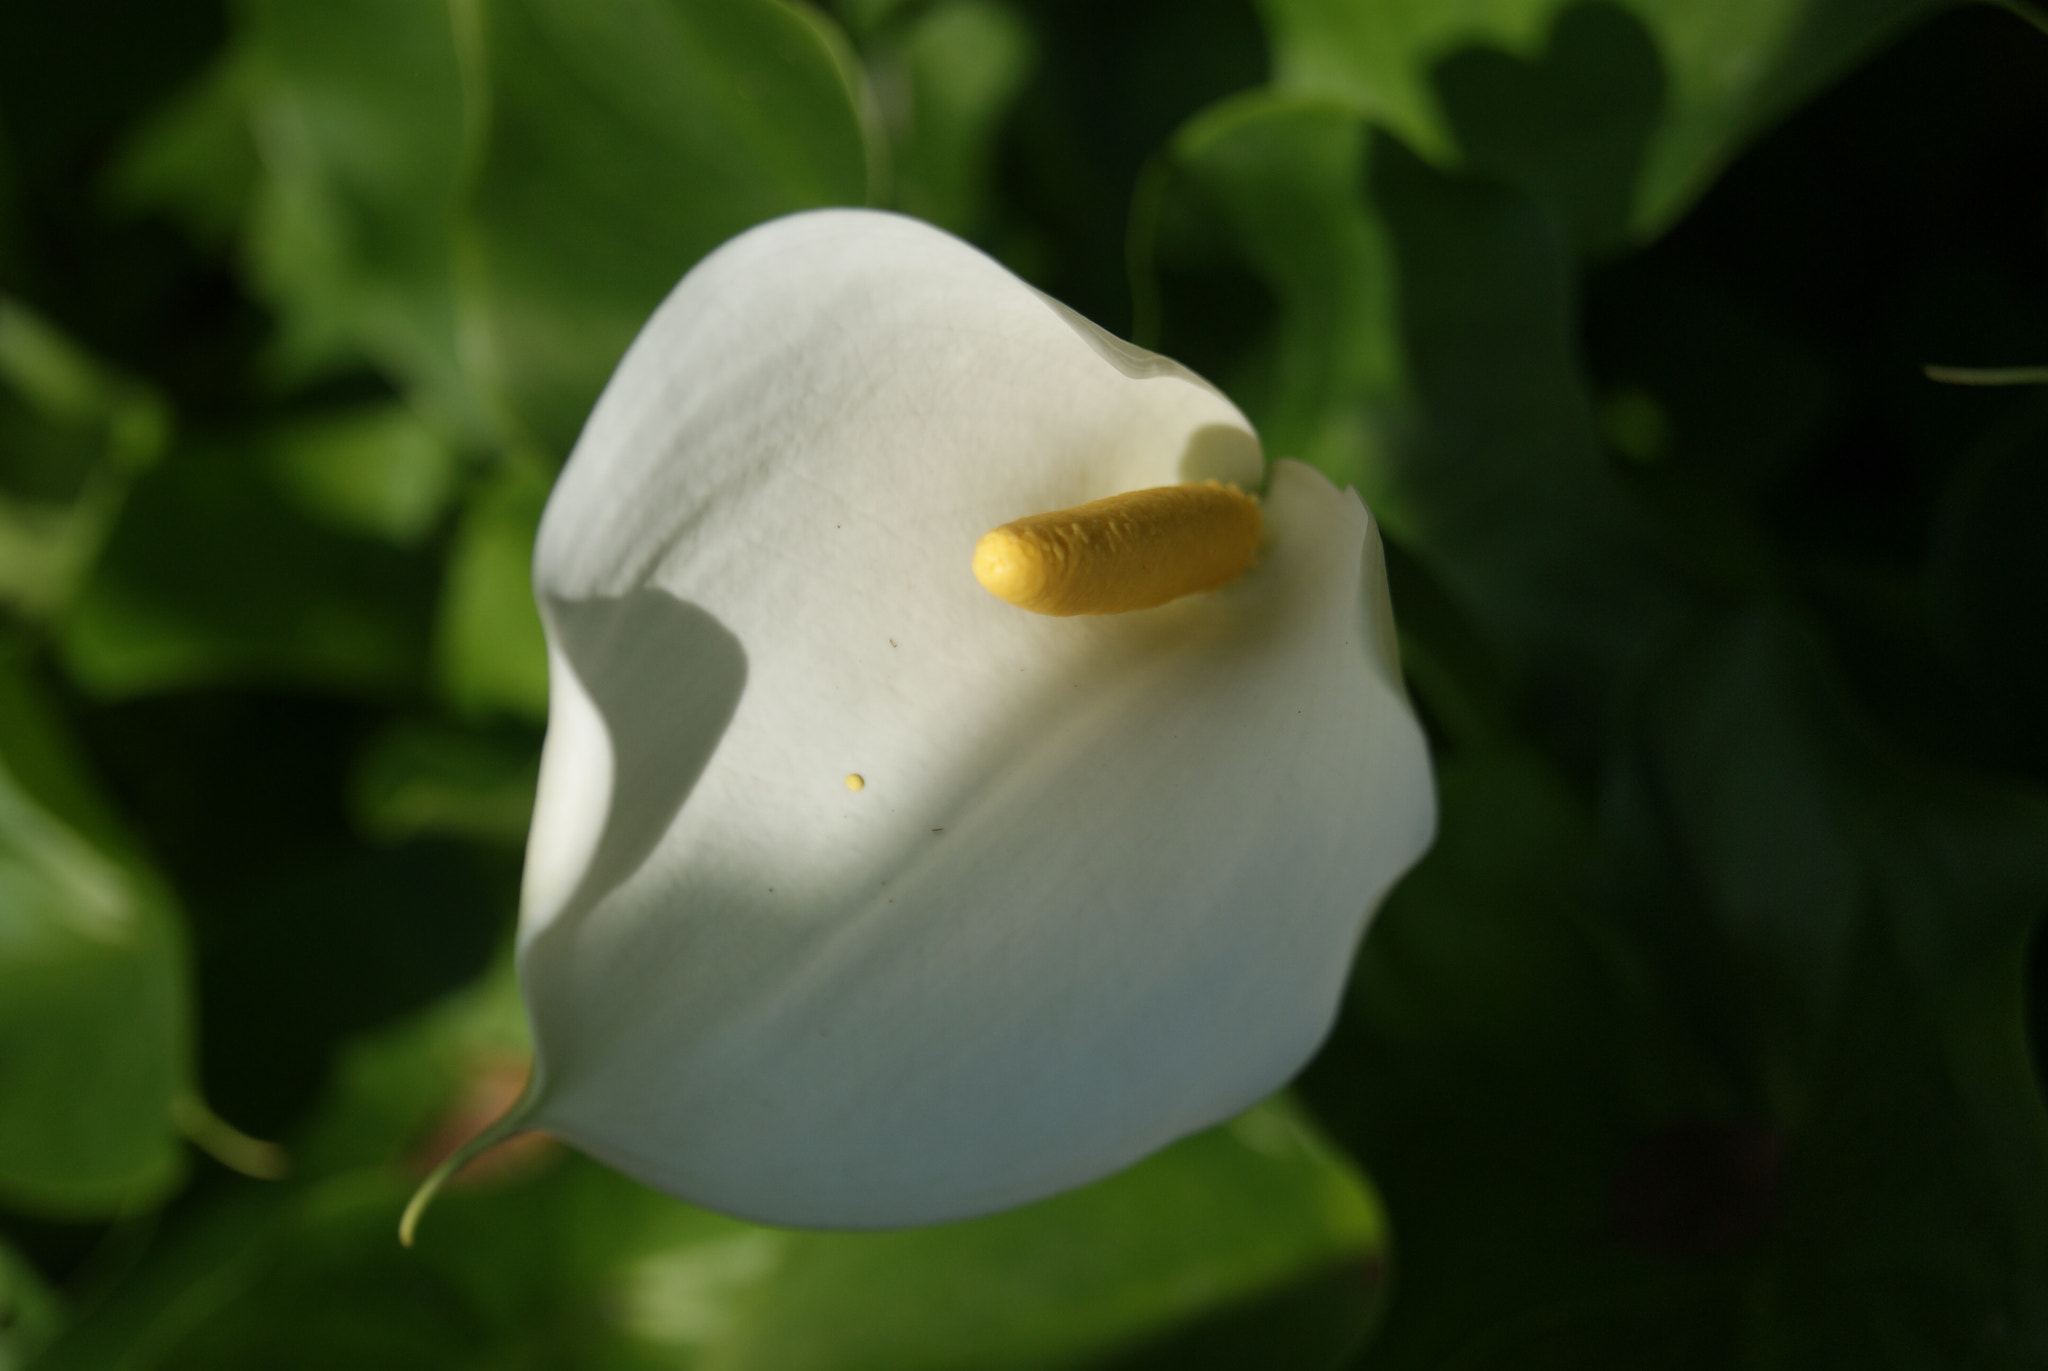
x=858, y=898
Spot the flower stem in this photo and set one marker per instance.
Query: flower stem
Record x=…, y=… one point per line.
x=511, y=1122
x=227, y=1144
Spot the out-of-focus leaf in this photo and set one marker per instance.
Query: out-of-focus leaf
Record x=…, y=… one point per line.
x=394, y=1090
x=487, y=201
x=1617, y=113
x=1845, y=937
x=1108, y=87
x=1275, y=181
x=94, y=1022
x=945, y=85
x=627, y=139
x=211, y=577
x=1735, y=1074
x=489, y=654
x=580, y=1265
x=1992, y=580
x=376, y=471
x=1503, y=485
x=1709, y=381
x=1426, y=327
x=568, y=1263
x=1626, y=1071
x=1480, y=1072
x=195, y=159
x=30, y=1314
x=1316, y=1323
x=362, y=130
x=72, y=434
x=418, y=779
x=313, y=948
x=1231, y=1213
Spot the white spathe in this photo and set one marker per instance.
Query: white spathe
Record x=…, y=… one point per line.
x=1105, y=877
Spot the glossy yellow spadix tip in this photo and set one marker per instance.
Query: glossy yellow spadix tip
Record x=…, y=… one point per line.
x=1130, y=551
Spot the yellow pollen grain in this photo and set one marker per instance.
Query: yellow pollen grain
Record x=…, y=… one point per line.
x=855, y=781
x=1130, y=551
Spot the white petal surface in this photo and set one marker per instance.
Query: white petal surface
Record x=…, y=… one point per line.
x=1103, y=882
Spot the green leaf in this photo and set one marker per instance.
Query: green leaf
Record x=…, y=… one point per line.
x=1734, y=1074
x=628, y=139
x=73, y=432
x=30, y=1313
x=1627, y=1070
x=1273, y=182
x=490, y=655
x=487, y=199
x=195, y=159
x=576, y=1265
x=94, y=1015
x=211, y=577
x=1617, y=113
x=417, y=779
x=1235, y=1212
x=363, y=128
x=376, y=471
x=558, y=1261
x=1422, y=348
x=946, y=84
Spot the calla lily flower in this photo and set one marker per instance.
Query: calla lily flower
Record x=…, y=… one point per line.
x=857, y=897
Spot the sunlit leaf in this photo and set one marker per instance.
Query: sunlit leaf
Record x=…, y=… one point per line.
x=417, y=779
x=376, y=470
x=945, y=83
x=1628, y=1082
x=489, y=653
x=486, y=201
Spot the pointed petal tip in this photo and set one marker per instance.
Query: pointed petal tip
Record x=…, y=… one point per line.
x=517, y=1119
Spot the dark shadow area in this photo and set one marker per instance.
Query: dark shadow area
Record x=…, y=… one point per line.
x=1111, y=85
x=74, y=80
x=1765, y=358
x=1205, y=306
x=1699, y=1189
x=1897, y=221
x=665, y=676
x=1569, y=128
x=304, y=933
x=1513, y=508
x=1318, y=1321
x=1990, y=583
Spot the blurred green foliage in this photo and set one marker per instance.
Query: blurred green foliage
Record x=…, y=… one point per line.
x=1710, y=1032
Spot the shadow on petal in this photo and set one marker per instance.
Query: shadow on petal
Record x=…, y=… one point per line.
x=664, y=678
x=1222, y=452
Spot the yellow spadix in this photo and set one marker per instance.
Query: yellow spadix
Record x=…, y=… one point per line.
x=1130, y=551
